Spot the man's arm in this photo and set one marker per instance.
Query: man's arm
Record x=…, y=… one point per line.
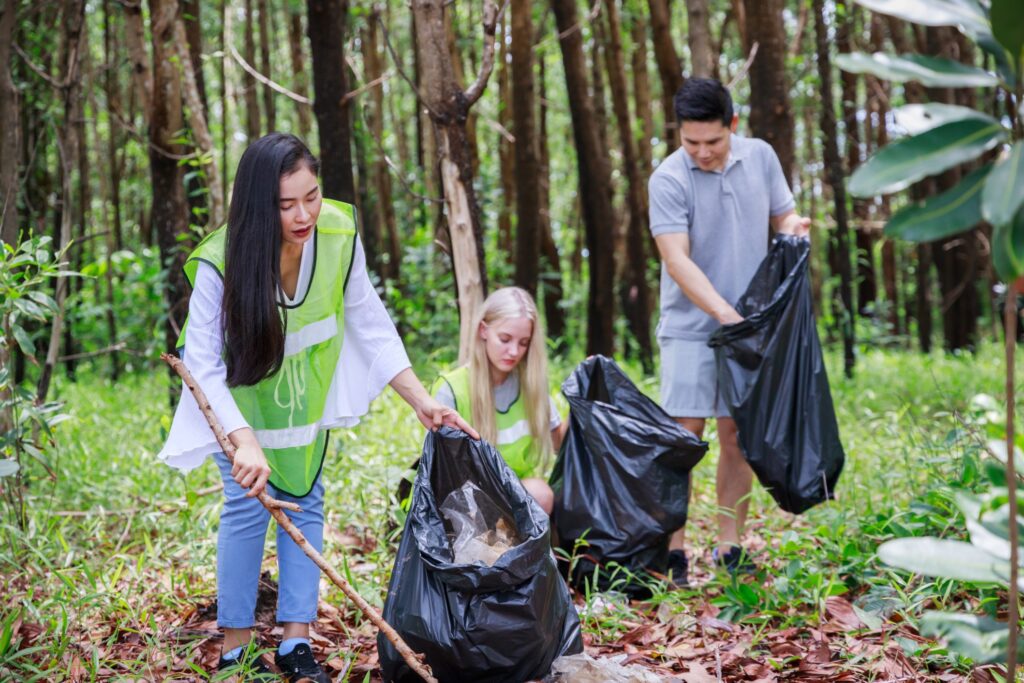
x=674, y=248
x=789, y=223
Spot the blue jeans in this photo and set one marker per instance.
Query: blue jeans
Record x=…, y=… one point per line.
x=243, y=531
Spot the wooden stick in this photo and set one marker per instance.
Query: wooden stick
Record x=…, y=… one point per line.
x=415, y=661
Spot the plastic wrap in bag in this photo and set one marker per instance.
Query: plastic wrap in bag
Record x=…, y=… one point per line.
x=772, y=376
x=622, y=477
x=481, y=532
x=506, y=622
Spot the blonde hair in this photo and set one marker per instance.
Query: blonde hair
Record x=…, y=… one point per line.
x=503, y=304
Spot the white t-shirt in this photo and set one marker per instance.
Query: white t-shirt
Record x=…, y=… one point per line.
x=371, y=355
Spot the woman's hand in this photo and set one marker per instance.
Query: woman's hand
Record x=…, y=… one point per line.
x=433, y=414
x=249, y=465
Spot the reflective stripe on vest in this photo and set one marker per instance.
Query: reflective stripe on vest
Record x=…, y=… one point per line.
x=515, y=443
x=286, y=409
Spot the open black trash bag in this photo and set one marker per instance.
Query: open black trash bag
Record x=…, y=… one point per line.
x=772, y=377
x=622, y=478
x=507, y=622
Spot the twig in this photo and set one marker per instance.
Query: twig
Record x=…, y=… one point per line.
x=594, y=11
x=491, y=16
x=89, y=354
x=411, y=658
x=746, y=66
x=351, y=95
x=397, y=171
x=228, y=34
x=398, y=65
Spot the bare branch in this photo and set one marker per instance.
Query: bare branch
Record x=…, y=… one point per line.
x=394, y=57
x=491, y=16
x=746, y=66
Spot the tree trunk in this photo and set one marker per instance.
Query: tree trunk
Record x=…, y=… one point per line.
x=770, y=115
x=300, y=78
x=642, y=95
x=449, y=105
x=170, y=207
x=506, y=157
x=73, y=20
x=110, y=185
x=135, y=37
x=326, y=21
x=700, y=38
x=551, y=278
x=10, y=127
x=635, y=293
x=191, y=15
x=253, y=126
x=670, y=69
x=594, y=183
x=525, y=130
x=266, y=40
x=834, y=173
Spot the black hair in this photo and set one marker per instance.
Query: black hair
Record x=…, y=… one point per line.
x=254, y=322
x=703, y=99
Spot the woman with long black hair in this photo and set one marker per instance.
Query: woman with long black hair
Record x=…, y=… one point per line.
x=288, y=338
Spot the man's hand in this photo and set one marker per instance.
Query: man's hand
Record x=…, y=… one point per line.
x=250, y=468
x=729, y=317
x=790, y=223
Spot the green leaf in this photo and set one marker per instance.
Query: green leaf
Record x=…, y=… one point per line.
x=1008, y=248
x=8, y=467
x=945, y=558
x=917, y=118
x=24, y=340
x=941, y=215
x=981, y=638
x=907, y=160
x=1004, y=189
x=1008, y=27
x=935, y=72
x=965, y=14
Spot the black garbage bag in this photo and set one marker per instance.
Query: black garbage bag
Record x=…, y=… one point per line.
x=622, y=478
x=772, y=376
x=506, y=622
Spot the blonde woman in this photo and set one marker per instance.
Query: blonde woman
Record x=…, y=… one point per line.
x=503, y=390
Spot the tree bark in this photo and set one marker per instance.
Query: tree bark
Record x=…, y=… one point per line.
x=551, y=278
x=770, y=115
x=10, y=133
x=635, y=292
x=525, y=130
x=253, y=126
x=326, y=20
x=834, y=174
x=191, y=15
x=670, y=69
x=506, y=156
x=110, y=184
x=700, y=38
x=642, y=95
x=135, y=37
x=266, y=40
x=300, y=83
x=448, y=105
x=594, y=183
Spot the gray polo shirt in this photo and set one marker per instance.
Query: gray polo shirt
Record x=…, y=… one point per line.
x=726, y=216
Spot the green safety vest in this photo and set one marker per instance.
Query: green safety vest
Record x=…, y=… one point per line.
x=285, y=409
x=515, y=443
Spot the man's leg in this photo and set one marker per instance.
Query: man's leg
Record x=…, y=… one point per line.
x=732, y=484
x=695, y=425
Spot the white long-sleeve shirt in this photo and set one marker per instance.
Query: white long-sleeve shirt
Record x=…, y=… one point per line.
x=372, y=354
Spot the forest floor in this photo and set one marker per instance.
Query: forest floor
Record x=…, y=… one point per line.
x=114, y=578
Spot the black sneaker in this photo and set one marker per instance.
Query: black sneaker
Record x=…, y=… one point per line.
x=735, y=560
x=248, y=666
x=678, y=569
x=299, y=665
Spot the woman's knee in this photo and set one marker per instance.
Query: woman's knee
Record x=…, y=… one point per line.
x=541, y=492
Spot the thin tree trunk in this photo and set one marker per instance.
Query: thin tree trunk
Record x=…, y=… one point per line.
x=266, y=40
x=225, y=100
x=635, y=292
x=10, y=128
x=506, y=157
x=739, y=13
x=700, y=38
x=449, y=105
x=326, y=20
x=300, y=82
x=594, y=183
x=642, y=95
x=670, y=69
x=834, y=174
x=110, y=184
x=253, y=125
x=551, y=278
x=191, y=15
x=525, y=130
x=770, y=115
x=135, y=37
x=190, y=53
x=73, y=20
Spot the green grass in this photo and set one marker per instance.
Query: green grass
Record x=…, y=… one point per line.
x=101, y=595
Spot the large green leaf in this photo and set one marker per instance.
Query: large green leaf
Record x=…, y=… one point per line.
x=981, y=638
x=1008, y=27
x=907, y=160
x=961, y=13
x=1004, y=189
x=1008, y=248
x=941, y=215
x=917, y=118
x=935, y=72
x=8, y=467
x=945, y=558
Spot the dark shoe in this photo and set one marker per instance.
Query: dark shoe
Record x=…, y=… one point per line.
x=299, y=665
x=678, y=569
x=735, y=560
x=249, y=666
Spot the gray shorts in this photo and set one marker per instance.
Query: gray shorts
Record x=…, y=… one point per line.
x=689, y=380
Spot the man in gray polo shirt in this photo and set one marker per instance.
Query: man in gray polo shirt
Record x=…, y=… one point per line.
x=711, y=202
